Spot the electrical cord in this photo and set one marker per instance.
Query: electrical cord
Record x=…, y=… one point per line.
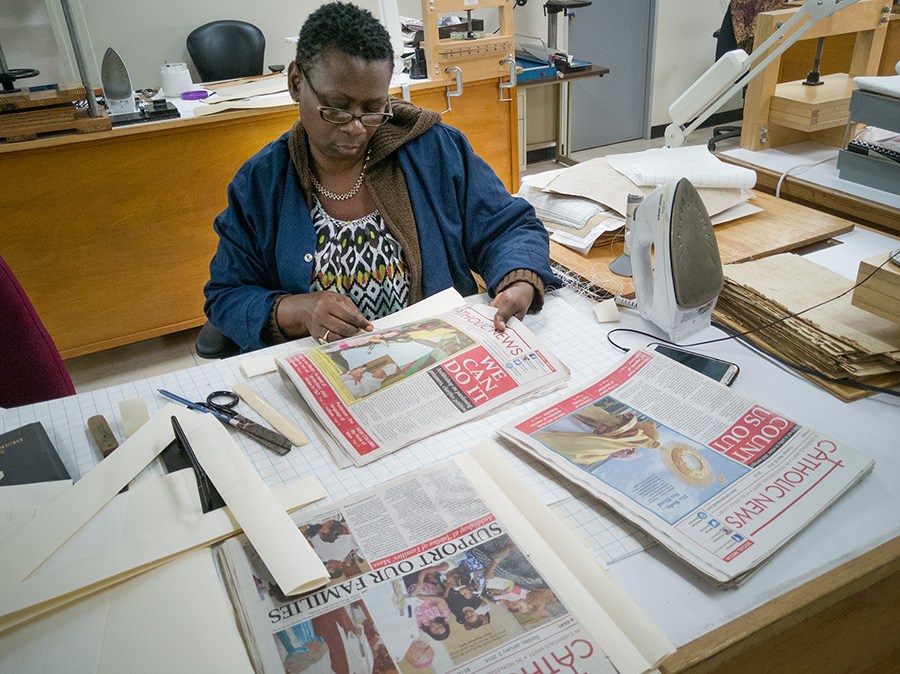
x=794, y=168
x=741, y=335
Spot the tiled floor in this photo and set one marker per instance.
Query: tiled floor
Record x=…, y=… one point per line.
x=176, y=351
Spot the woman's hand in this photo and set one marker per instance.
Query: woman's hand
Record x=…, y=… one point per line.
x=514, y=300
x=323, y=315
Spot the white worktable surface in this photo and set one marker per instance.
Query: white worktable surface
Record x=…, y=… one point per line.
x=684, y=605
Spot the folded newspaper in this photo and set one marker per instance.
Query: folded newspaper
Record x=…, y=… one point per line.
x=453, y=568
x=379, y=391
x=719, y=480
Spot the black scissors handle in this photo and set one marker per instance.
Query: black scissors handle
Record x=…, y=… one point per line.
x=223, y=402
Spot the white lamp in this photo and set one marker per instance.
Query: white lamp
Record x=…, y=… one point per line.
x=731, y=73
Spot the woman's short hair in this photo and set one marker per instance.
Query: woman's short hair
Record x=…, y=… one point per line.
x=345, y=27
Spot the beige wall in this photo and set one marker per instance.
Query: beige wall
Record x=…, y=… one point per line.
x=685, y=48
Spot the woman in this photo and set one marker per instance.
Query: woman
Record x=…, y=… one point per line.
x=367, y=205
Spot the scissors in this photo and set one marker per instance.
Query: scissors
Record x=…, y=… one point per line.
x=224, y=403
x=221, y=404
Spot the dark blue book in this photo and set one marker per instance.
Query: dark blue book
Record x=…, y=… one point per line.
x=27, y=455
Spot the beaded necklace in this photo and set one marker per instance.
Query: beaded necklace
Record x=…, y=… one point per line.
x=325, y=192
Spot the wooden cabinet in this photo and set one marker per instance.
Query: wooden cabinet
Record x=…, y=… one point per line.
x=491, y=125
x=110, y=233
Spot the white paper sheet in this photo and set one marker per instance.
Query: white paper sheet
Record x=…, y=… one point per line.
x=122, y=542
x=694, y=162
x=59, y=520
x=198, y=634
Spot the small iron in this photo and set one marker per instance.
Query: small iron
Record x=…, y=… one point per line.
x=117, y=89
x=675, y=260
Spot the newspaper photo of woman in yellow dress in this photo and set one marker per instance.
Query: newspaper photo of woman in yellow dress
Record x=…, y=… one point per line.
x=645, y=460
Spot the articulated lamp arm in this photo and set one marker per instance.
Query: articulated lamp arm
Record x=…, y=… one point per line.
x=731, y=73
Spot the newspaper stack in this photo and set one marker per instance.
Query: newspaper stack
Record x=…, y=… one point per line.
x=718, y=480
x=584, y=205
x=837, y=340
x=576, y=223
x=379, y=391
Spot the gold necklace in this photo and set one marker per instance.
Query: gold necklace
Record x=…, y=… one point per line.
x=325, y=192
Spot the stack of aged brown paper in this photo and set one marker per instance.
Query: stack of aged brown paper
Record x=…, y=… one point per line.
x=843, y=343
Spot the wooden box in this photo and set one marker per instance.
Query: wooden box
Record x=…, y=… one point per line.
x=880, y=294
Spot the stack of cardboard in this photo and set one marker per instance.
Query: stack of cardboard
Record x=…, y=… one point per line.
x=842, y=343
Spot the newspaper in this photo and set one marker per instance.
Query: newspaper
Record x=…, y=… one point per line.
x=379, y=391
x=440, y=571
x=719, y=480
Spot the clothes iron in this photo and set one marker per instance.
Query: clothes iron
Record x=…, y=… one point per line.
x=675, y=260
x=117, y=89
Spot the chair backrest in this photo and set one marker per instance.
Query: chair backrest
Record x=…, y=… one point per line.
x=31, y=369
x=226, y=49
x=725, y=40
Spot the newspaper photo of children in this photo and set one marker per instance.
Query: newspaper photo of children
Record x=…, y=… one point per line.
x=650, y=463
x=471, y=603
x=394, y=617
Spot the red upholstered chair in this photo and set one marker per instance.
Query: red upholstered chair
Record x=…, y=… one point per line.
x=31, y=369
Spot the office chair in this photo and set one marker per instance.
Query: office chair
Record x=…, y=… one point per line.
x=212, y=344
x=228, y=49
x=725, y=42
x=31, y=369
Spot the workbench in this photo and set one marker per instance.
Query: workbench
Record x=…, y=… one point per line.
x=829, y=601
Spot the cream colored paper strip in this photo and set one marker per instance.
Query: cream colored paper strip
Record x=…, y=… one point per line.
x=134, y=414
x=54, y=524
x=253, y=366
x=278, y=421
x=630, y=640
x=286, y=552
x=177, y=531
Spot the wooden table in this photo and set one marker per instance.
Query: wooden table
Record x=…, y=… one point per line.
x=110, y=233
x=843, y=621
x=843, y=204
x=780, y=227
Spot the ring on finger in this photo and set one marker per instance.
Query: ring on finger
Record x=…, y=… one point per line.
x=324, y=338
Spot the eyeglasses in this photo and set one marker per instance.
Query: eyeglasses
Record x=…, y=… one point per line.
x=341, y=116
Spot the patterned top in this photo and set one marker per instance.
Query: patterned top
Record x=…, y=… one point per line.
x=362, y=260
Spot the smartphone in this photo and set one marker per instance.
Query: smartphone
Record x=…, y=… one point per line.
x=720, y=370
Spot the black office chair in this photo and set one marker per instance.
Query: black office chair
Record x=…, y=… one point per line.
x=228, y=49
x=212, y=344
x=725, y=42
